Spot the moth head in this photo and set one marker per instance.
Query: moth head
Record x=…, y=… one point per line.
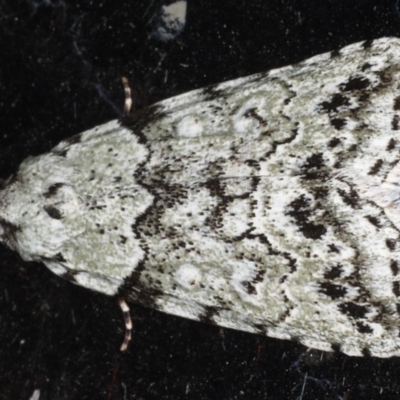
x=33, y=204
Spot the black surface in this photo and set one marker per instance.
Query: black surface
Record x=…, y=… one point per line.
x=60, y=69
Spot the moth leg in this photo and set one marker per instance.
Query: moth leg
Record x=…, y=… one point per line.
x=128, y=324
x=128, y=96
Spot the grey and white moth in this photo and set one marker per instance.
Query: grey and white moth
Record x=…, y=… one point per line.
x=268, y=204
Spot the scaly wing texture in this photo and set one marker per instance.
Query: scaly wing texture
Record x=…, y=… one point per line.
x=268, y=204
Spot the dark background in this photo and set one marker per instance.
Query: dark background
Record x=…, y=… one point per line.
x=60, y=69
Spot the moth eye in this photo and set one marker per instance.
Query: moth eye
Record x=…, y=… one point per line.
x=53, y=212
x=53, y=189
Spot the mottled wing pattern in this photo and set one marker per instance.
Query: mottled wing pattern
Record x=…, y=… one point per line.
x=268, y=204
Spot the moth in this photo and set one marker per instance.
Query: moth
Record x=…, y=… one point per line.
x=268, y=204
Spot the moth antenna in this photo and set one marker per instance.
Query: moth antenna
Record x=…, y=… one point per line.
x=128, y=324
x=128, y=96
